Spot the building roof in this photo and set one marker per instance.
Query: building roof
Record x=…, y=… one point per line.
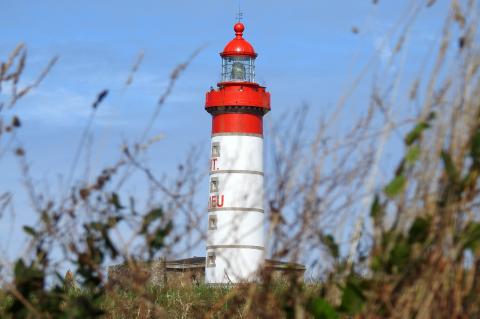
x=199, y=262
x=239, y=46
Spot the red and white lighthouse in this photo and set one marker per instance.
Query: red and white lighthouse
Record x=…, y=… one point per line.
x=235, y=243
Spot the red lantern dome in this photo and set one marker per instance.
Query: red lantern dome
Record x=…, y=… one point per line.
x=239, y=46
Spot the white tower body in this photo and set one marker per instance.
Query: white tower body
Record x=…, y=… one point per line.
x=235, y=244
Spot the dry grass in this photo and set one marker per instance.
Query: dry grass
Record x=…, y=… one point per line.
x=413, y=248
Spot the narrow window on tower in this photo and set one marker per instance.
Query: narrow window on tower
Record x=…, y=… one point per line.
x=214, y=185
x=212, y=222
x=215, y=149
x=211, y=259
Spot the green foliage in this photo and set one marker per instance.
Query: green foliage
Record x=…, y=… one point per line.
x=29, y=230
x=115, y=201
x=416, y=133
x=29, y=282
x=399, y=256
x=470, y=237
x=156, y=238
x=65, y=300
x=321, y=309
x=396, y=250
x=450, y=168
x=85, y=306
x=419, y=230
x=412, y=154
x=353, y=298
x=407, y=267
x=149, y=218
x=396, y=186
x=376, y=264
x=30, y=285
x=399, y=182
x=377, y=211
x=475, y=147
x=330, y=243
x=5, y=301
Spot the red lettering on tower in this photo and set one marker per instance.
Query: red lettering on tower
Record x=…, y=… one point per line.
x=215, y=201
x=218, y=201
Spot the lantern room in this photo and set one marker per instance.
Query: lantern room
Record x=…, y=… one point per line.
x=238, y=69
x=238, y=87
x=238, y=58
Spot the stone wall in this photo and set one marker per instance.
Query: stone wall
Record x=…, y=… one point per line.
x=189, y=271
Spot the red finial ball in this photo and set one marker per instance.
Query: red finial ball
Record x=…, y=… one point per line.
x=238, y=46
x=239, y=28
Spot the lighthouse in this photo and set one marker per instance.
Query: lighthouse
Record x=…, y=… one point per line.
x=235, y=238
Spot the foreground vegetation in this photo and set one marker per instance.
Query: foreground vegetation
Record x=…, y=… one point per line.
x=414, y=253
x=189, y=301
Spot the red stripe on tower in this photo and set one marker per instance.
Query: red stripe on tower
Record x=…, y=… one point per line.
x=244, y=123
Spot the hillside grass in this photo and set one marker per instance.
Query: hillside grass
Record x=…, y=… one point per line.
x=197, y=301
x=182, y=301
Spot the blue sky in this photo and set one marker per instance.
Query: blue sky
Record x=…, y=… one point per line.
x=308, y=54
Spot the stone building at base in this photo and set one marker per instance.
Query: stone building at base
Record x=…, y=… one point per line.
x=191, y=271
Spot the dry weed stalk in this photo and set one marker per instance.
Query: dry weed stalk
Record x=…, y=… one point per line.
x=412, y=249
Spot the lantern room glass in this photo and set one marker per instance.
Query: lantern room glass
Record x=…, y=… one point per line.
x=238, y=69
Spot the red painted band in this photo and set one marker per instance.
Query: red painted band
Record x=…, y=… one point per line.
x=238, y=94
x=237, y=123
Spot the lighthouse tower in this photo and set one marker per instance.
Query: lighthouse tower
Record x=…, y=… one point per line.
x=235, y=243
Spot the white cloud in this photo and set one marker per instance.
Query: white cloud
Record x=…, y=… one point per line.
x=63, y=107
